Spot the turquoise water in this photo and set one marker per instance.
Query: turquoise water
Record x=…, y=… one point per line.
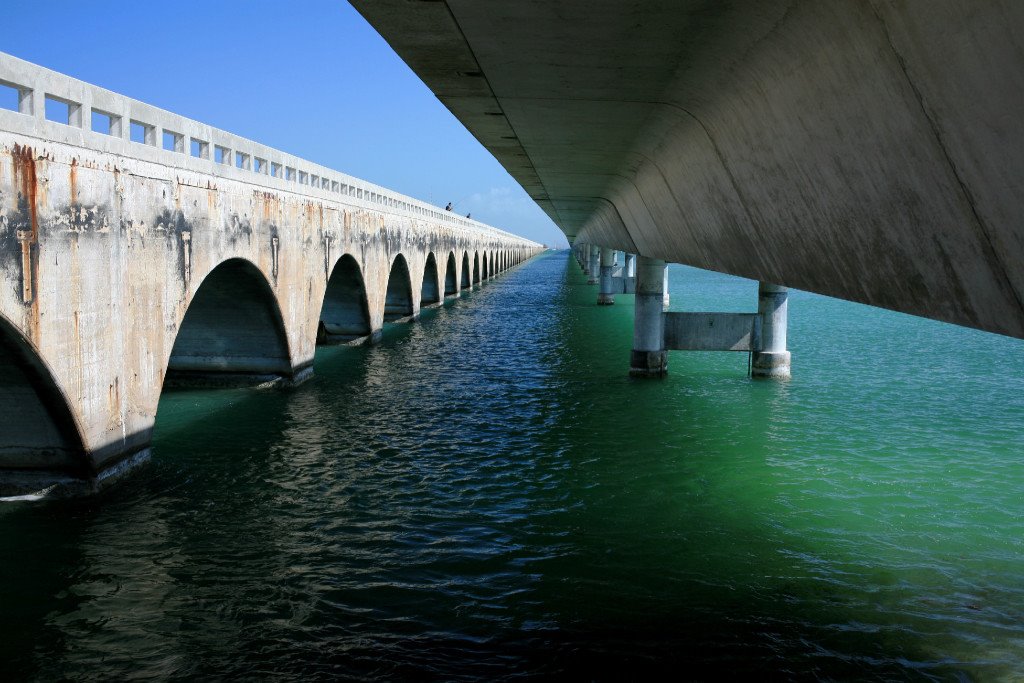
x=487, y=495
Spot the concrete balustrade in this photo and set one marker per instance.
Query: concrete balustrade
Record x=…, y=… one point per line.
x=163, y=252
x=147, y=133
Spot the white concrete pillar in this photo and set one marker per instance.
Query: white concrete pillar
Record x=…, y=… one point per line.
x=629, y=265
x=649, y=358
x=595, y=265
x=773, y=358
x=606, y=297
x=664, y=295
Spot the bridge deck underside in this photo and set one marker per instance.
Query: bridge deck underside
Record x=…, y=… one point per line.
x=869, y=151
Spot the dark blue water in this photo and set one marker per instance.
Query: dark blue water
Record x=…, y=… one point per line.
x=487, y=495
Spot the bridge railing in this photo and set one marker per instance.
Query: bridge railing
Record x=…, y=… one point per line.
x=45, y=104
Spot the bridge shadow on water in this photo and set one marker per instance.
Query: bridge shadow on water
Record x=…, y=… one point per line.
x=486, y=495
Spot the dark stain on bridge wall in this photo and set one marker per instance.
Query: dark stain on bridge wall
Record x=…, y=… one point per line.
x=20, y=242
x=78, y=219
x=275, y=242
x=237, y=227
x=178, y=231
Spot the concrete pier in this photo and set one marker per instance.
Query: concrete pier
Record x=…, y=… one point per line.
x=772, y=360
x=629, y=264
x=594, y=263
x=606, y=296
x=648, y=358
x=665, y=299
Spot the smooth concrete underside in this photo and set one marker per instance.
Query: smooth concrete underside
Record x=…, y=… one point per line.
x=869, y=150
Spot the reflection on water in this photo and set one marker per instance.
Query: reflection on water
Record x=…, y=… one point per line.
x=487, y=493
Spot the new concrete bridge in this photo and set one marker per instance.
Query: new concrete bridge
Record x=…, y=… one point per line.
x=140, y=249
x=869, y=150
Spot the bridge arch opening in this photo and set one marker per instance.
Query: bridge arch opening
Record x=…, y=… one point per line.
x=398, y=299
x=476, y=268
x=38, y=432
x=232, y=333
x=465, y=270
x=345, y=313
x=429, y=292
x=451, y=283
x=483, y=270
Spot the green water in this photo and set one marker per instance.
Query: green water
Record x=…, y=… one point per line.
x=487, y=495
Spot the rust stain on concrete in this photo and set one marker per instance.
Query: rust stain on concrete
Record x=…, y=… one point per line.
x=73, y=180
x=25, y=179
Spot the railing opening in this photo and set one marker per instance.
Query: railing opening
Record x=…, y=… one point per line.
x=199, y=149
x=174, y=142
x=10, y=97
x=62, y=111
x=107, y=124
x=142, y=133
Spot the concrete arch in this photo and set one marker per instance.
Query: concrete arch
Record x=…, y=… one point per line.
x=466, y=282
x=232, y=332
x=430, y=292
x=345, y=312
x=398, y=303
x=476, y=267
x=451, y=276
x=39, y=432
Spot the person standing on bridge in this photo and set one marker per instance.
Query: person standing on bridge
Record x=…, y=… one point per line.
x=449, y=207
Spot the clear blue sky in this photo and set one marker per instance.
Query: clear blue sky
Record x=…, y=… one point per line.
x=309, y=77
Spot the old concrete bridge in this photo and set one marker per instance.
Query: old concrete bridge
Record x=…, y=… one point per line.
x=140, y=249
x=869, y=150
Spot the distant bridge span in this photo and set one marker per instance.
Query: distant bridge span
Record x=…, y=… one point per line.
x=162, y=251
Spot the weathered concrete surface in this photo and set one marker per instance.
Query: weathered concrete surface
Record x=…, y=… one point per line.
x=866, y=150
x=771, y=358
x=712, y=331
x=125, y=267
x=648, y=357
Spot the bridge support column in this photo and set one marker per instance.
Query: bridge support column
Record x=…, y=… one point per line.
x=628, y=265
x=594, y=265
x=664, y=291
x=649, y=358
x=772, y=307
x=606, y=297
